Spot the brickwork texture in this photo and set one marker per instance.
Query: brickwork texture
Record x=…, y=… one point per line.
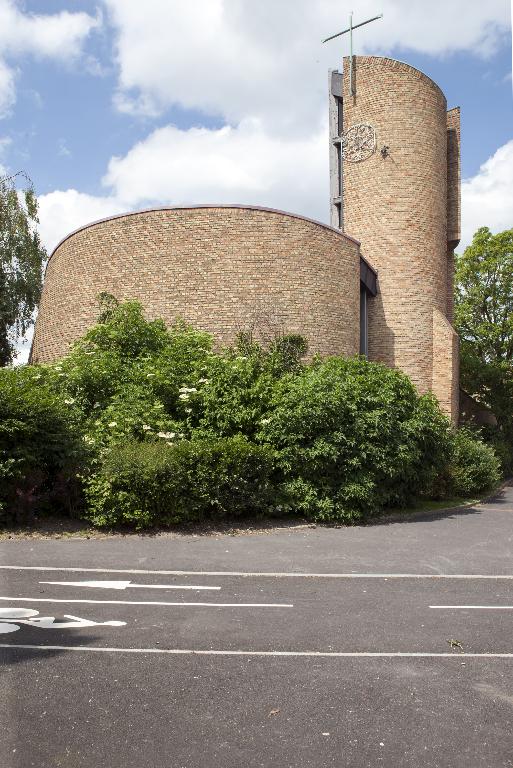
x=403, y=206
x=220, y=268
x=224, y=269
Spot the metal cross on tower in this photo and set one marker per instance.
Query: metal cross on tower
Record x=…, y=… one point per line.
x=350, y=28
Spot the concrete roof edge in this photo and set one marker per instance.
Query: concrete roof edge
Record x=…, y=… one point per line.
x=203, y=206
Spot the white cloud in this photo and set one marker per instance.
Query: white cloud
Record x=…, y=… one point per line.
x=487, y=198
x=265, y=59
x=7, y=89
x=173, y=167
x=63, y=149
x=262, y=68
x=22, y=347
x=61, y=212
x=242, y=164
x=248, y=166
x=5, y=141
x=58, y=36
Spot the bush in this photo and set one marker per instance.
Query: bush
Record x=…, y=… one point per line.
x=235, y=389
x=40, y=443
x=168, y=483
x=502, y=444
x=127, y=350
x=353, y=437
x=163, y=429
x=474, y=466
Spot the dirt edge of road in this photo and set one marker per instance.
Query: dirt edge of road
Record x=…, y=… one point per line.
x=65, y=528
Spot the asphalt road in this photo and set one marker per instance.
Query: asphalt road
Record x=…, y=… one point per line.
x=388, y=645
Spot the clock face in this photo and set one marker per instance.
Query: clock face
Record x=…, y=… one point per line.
x=359, y=143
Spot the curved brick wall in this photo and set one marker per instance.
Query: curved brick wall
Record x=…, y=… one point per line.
x=397, y=207
x=217, y=267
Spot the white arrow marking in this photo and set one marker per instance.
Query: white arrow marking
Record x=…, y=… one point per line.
x=49, y=622
x=123, y=585
x=11, y=618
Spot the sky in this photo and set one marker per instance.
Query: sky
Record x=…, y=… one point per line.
x=117, y=105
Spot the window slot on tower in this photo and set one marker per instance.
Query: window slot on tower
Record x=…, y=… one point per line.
x=364, y=322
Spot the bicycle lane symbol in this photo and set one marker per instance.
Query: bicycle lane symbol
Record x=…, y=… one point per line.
x=11, y=620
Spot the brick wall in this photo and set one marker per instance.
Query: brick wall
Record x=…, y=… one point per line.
x=397, y=207
x=220, y=268
x=445, y=377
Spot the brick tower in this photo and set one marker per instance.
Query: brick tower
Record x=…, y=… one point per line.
x=395, y=186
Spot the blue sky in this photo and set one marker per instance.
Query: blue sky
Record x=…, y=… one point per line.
x=115, y=105
x=65, y=128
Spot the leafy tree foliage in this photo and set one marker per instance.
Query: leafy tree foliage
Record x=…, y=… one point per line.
x=484, y=319
x=21, y=262
x=143, y=425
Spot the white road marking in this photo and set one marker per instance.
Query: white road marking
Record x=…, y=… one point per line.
x=264, y=574
x=129, y=602
x=5, y=628
x=17, y=613
x=11, y=618
x=287, y=654
x=475, y=607
x=122, y=585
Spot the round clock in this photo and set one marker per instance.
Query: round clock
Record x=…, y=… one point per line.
x=359, y=142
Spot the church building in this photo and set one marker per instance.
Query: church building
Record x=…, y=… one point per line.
x=377, y=281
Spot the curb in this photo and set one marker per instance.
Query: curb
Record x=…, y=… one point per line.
x=401, y=517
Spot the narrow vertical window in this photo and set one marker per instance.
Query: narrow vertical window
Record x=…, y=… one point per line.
x=364, y=324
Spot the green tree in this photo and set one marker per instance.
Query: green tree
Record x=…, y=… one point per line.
x=21, y=264
x=484, y=319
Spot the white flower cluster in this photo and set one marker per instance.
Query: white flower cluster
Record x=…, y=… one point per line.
x=185, y=392
x=167, y=435
x=162, y=434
